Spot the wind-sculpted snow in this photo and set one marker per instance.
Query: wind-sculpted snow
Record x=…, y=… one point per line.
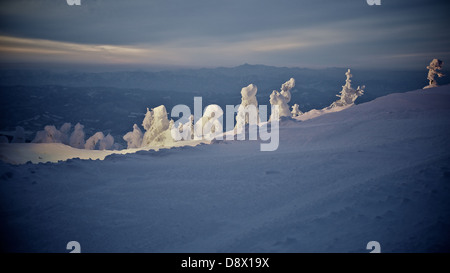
x=376, y=171
x=281, y=99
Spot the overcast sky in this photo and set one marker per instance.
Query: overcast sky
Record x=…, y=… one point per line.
x=209, y=33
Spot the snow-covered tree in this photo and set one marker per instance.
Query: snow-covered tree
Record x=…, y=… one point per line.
x=107, y=143
x=296, y=111
x=282, y=99
x=210, y=126
x=248, y=101
x=91, y=143
x=147, y=122
x=49, y=135
x=286, y=89
x=185, y=131
x=77, y=138
x=99, y=142
x=158, y=132
x=134, y=138
x=435, y=65
x=65, y=130
x=188, y=129
x=348, y=94
x=19, y=135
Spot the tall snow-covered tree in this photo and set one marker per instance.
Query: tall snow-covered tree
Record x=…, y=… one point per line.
x=186, y=130
x=147, y=122
x=435, y=65
x=210, y=125
x=248, y=101
x=348, y=94
x=77, y=138
x=159, y=130
x=134, y=138
x=282, y=99
x=65, y=130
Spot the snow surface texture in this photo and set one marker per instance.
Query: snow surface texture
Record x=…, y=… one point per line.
x=378, y=171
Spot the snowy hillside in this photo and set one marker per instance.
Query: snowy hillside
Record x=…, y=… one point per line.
x=377, y=171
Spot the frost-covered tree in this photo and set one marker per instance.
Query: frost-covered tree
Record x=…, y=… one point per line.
x=19, y=135
x=282, y=99
x=248, y=101
x=107, y=143
x=147, y=122
x=210, y=126
x=99, y=142
x=296, y=111
x=158, y=132
x=286, y=89
x=77, y=138
x=134, y=138
x=65, y=130
x=91, y=143
x=348, y=94
x=435, y=65
x=188, y=129
x=52, y=135
x=49, y=135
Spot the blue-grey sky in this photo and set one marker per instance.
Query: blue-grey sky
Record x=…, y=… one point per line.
x=209, y=33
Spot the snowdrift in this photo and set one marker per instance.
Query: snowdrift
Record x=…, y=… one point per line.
x=378, y=171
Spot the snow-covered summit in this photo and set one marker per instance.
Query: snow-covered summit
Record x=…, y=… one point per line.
x=377, y=171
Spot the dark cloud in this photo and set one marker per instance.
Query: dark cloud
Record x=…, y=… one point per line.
x=389, y=29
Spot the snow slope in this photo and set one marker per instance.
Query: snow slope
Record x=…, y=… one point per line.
x=378, y=171
x=21, y=153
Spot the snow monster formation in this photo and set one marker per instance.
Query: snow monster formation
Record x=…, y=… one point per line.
x=248, y=103
x=282, y=99
x=435, y=65
x=157, y=127
x=348, y=94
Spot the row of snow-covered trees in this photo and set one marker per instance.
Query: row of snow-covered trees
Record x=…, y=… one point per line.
x=65, y=135
x=347, y=97
x=75, y=138
x=158, y=127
